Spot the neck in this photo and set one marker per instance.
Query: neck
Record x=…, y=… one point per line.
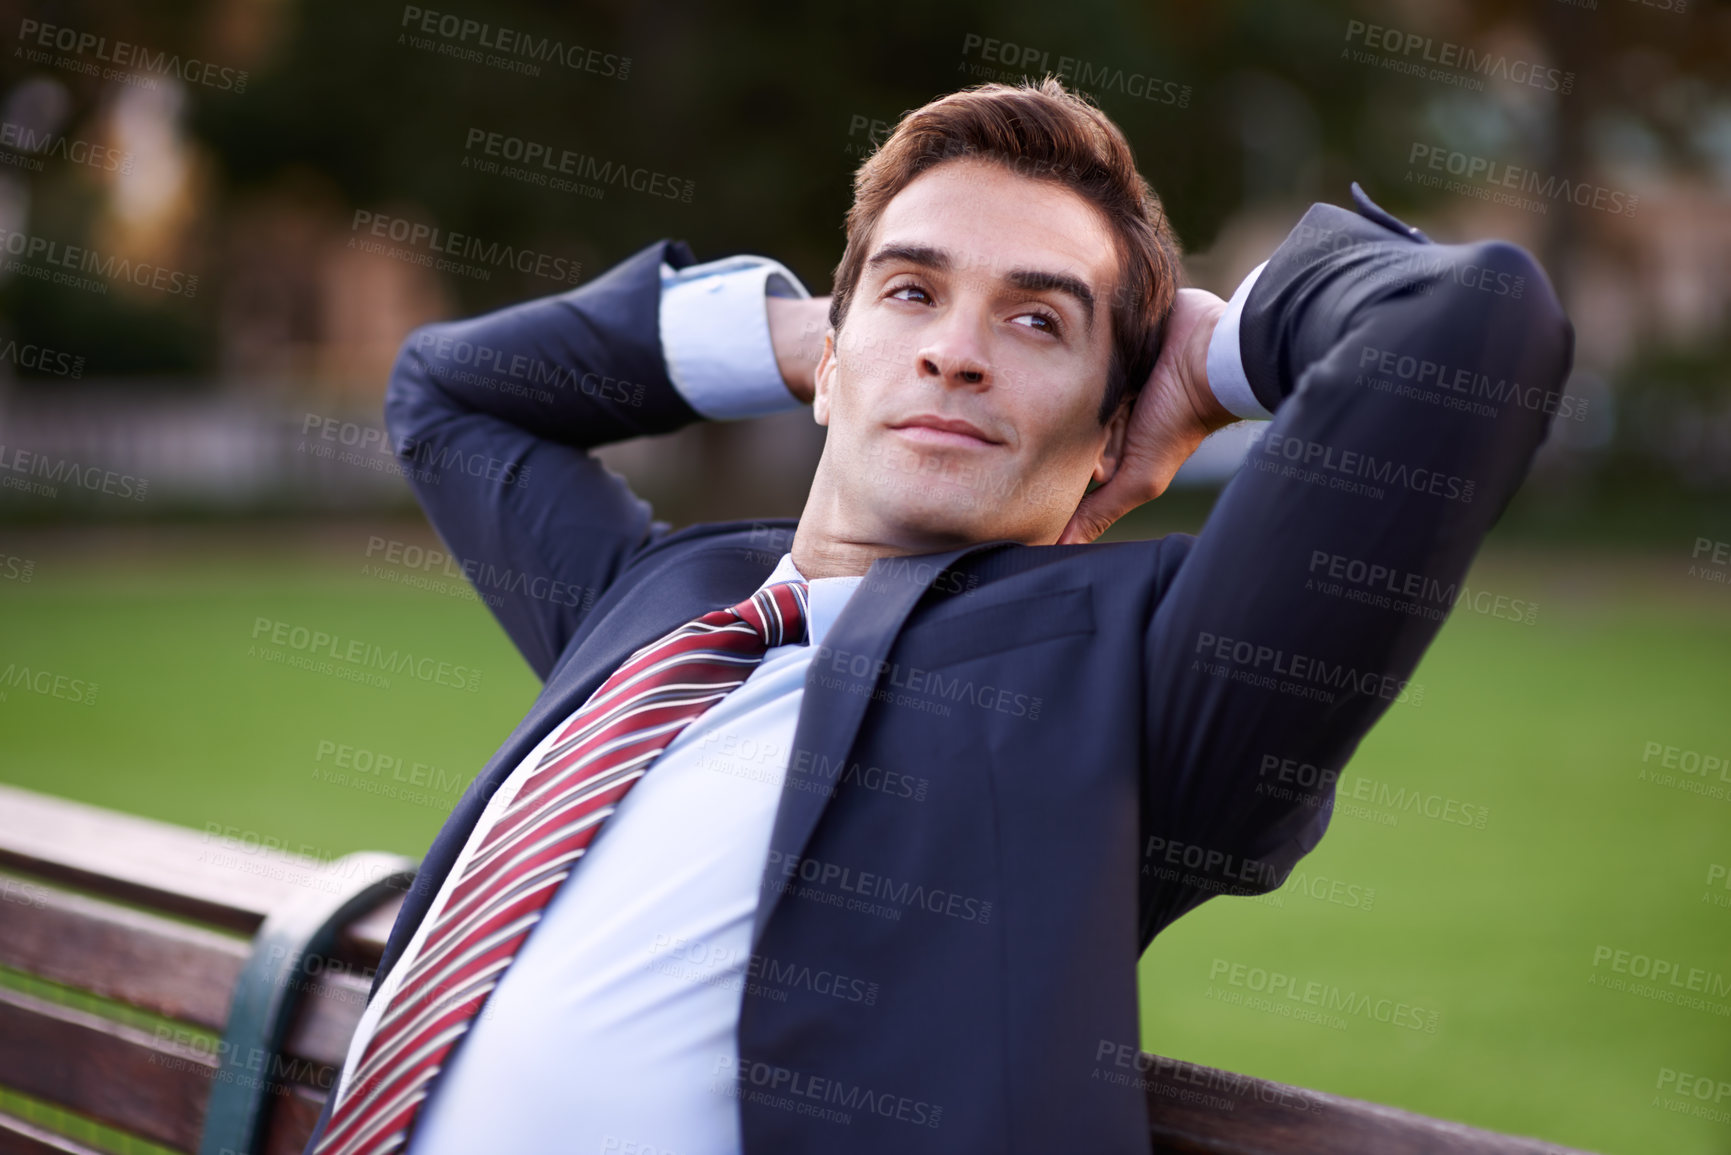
x=827, y=543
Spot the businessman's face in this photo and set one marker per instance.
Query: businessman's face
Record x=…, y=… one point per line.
x=984, y=302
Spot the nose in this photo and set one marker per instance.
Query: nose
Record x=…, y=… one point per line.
x=955, y=352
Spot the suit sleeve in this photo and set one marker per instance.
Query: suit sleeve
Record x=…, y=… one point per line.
x=1410, y=386
x=492, y=418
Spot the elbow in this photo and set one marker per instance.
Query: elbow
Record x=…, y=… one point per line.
x=1522, y=318
x=410, y=395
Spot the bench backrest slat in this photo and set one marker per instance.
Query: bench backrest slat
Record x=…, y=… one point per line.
x=293, y=1115
x=184, y=972
x=111, y=1072
x=225, y=882
x=22, y=1137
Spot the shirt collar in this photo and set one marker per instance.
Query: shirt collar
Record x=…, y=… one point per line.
x=825, y=597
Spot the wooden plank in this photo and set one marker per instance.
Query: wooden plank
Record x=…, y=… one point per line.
x=181, y=971
x=293, y=1114
x=120, y=1075
x=325, y=1021
x=364, y=939
x=1196, y=1110
x=199, y=874
x=21, y=1137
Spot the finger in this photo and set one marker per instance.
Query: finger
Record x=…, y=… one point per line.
x=1135, y=483
x=1095, y=514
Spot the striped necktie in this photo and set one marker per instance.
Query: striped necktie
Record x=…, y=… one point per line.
x=534, y=845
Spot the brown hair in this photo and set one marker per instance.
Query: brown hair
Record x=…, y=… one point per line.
x=1048, y=133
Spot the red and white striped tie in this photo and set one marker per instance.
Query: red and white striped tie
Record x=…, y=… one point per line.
x=535, y=844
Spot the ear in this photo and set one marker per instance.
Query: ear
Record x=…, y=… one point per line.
x=822, y=380
x=1113, y=450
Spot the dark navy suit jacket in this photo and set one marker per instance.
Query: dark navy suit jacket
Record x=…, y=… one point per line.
x=1100, y=727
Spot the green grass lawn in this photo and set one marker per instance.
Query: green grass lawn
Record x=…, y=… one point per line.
x=1487, y=933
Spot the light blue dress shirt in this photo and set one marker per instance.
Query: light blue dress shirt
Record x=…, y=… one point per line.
x=614, y=1031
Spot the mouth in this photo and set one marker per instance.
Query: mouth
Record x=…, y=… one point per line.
x=930, y=429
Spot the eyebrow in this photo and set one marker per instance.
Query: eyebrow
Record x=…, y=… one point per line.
x=1030, y=280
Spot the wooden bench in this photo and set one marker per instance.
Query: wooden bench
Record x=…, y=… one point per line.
x=199, y=991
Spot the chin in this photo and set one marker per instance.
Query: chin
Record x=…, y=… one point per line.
x=947, y=516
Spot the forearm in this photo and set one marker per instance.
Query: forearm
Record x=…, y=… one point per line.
x=581, y=368
x=796, y=329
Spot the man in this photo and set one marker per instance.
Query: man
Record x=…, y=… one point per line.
x=845, y=834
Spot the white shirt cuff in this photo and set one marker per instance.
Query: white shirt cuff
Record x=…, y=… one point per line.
x=1226, y=360
x=715, y=335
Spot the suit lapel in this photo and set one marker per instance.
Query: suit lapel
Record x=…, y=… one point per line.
x=829, y=717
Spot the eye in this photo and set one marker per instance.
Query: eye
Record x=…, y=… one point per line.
x=1044, y=322
x=909, y=287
